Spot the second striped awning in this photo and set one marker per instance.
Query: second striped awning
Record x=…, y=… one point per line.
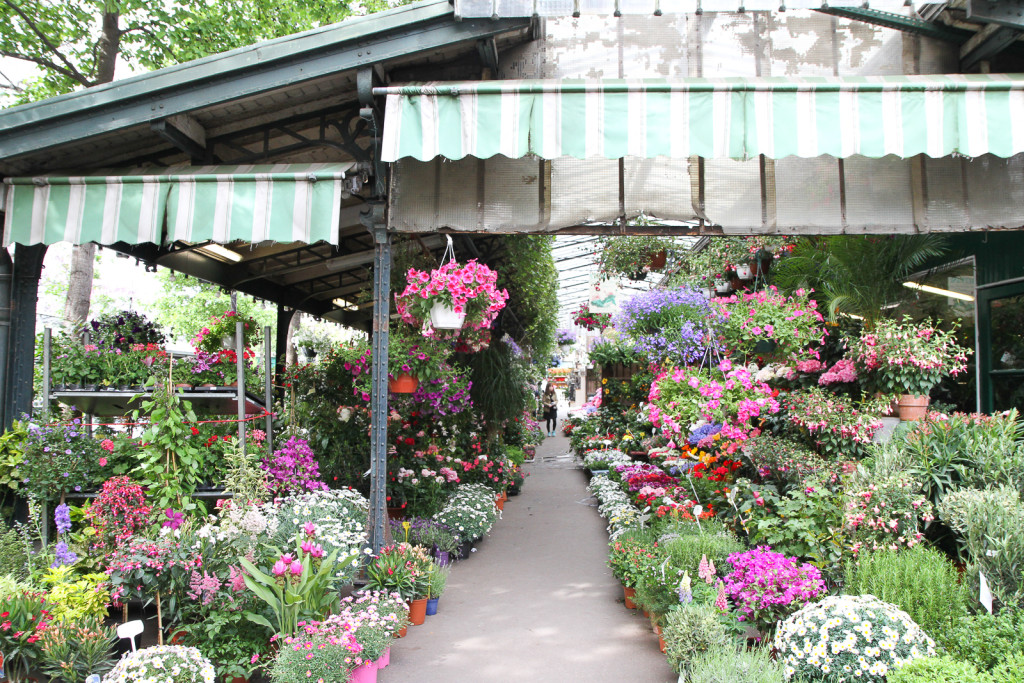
x=281, y=202
x=728, y=118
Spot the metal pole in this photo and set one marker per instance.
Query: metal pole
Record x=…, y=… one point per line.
x=47, y=339
x=268, y=388
x=379, y=382
x=240, y=377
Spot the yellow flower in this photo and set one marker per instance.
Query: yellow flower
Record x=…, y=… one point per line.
x=604, y=380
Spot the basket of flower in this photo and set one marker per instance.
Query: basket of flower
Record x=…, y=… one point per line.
x=219, y=333
x=452, y=302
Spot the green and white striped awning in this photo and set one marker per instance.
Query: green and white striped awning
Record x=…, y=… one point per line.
x=281, y=202
x=727, y=118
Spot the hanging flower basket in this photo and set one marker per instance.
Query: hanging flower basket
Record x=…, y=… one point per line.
x=744, y=271
x=467, y=290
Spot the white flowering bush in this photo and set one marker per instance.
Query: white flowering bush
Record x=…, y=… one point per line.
x=849, y=638
x=604, y=459
x=163, y=664
x=614, y=505
x=340, y=518
x=470, y=512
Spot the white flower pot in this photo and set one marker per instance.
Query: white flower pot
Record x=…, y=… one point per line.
x=708, y=292
x=723, y=287
x=444, y=318
x=744, y=272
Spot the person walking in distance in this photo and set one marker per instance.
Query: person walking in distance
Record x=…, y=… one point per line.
x=550, y=403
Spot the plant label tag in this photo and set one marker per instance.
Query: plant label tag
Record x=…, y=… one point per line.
x=985, y=596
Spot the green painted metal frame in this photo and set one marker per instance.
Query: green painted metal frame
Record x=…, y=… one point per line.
x=985, y=297
x=902, y=23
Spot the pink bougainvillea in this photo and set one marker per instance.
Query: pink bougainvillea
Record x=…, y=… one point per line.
x=293, y=469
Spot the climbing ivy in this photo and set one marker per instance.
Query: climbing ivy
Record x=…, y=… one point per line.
x=527, y=270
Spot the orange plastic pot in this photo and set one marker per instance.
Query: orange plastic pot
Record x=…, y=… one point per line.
x=403, y=384
x=418, y=611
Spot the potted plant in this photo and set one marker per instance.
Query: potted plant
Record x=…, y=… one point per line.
x=77, y=648
x=413, y=358
x=634, y=256
x=767, y=322
x=446, y=301
x=219, y=333
x=438, y=581
x=163, y=664
x=125, y=329
x=668, y=324
x=909, y=359
x=591, y=321
x=27, y=618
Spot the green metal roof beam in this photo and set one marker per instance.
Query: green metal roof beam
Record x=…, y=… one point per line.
x=241, y=73
x=902, y=23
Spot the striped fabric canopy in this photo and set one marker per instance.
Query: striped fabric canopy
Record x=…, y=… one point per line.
x=281, y=202
x=734, y=118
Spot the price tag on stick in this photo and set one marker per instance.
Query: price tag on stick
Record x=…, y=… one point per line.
x=985, y=594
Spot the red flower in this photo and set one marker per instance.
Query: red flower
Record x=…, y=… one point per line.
x=409, y=441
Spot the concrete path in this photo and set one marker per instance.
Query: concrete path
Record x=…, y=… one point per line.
x=536, y=602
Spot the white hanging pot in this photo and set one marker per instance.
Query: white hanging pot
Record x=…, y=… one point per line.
x=707, y=292
x=744, y=272
x=445, y=318
x=723, y=286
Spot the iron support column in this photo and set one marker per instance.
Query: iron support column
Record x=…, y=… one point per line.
x=6, y=268
x=284, y=320
x=374, y=221
x=28, y=266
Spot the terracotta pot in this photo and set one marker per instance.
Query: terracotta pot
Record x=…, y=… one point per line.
x=913, y=407
x=658, y=260
x=239, y=679
x=628, y=595
x=499, y=503
x=418, y=611
x=403, y=384
x=177, y=638
x=402, y=632
x=396, y=513
x=661, y=643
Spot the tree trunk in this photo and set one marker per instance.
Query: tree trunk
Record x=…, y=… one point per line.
x=291, y=356
x=76, y=306
x=83, y=257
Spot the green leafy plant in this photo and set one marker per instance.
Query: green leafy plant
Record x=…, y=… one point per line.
x=13, y=559
x=944, y=669
x=228, y=639
x=729, y=665
x=920, y=581
x=990, y=526
x=986, y=639
x=686, y=552
x=632, y=256
x=438, y=581
x=171, y=465
x=78, y=648
x=390, y=572
x=75, y=597
x=691, y=632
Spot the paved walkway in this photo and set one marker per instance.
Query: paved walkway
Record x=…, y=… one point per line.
x=536, y=602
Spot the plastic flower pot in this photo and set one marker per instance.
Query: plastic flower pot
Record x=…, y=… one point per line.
x=464, y=549
x=403, y=384
x=913, y=407
x=364, y=673
x=418, y=611
x=432, y=606
x=442, y=558
x=744, y=272
x=384, y=660
x=628, y=594
x=443, y=317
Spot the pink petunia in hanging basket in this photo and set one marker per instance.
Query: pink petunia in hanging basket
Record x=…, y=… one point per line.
x=463, y=290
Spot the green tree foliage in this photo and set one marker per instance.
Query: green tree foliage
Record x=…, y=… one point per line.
x=186, y=304
x=857, y=275
x=78, y=43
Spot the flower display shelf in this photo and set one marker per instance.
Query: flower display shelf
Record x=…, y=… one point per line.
x=223, y=400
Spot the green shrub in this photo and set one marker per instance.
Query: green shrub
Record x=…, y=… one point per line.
x=685, y=552
x=920, y=581
x=657, y=594
x=693, y=631
x=990, y=524
x=943, y=669
x=1011, y=670
x=986, y=640
x=13, y=561
x=730, y=666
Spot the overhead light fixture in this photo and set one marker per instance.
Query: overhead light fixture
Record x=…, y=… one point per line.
x=221, y=253
x=344, y=303
x=940, y=292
